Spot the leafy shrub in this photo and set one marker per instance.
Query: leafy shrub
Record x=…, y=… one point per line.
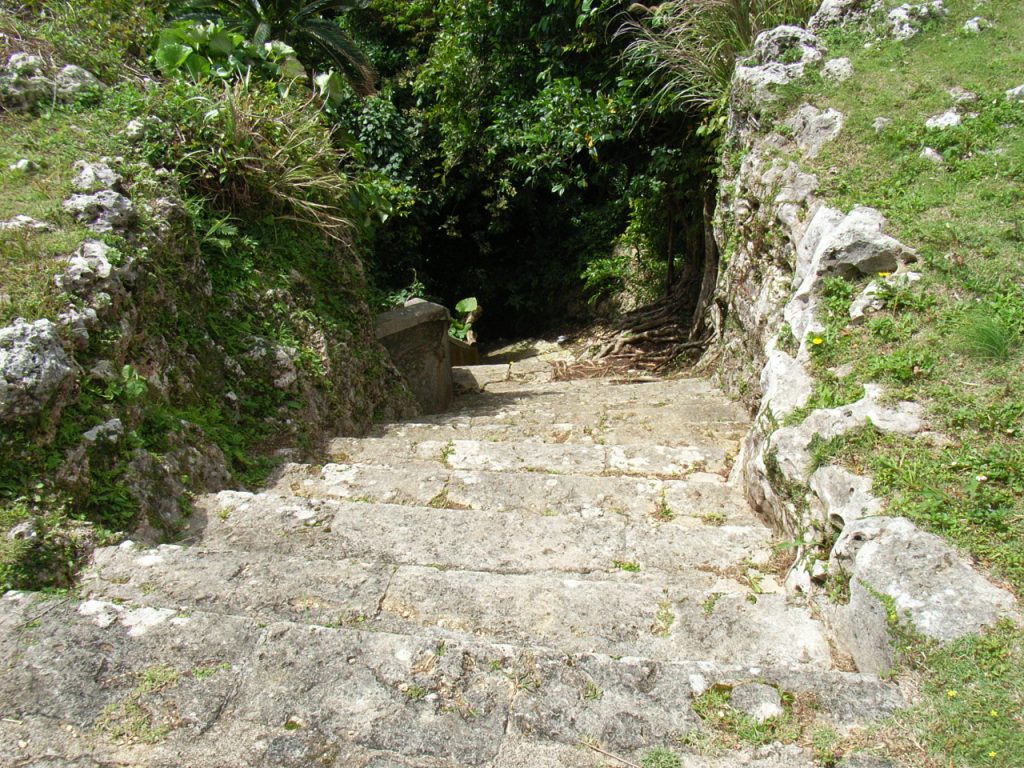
x=202, y=50
x=311, y=26
x=249, y=148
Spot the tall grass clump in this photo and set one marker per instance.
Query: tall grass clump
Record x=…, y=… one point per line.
x=248, y=148
x=690, y=47
x=987, y=336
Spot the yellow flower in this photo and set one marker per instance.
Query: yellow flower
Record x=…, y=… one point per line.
x=817, y=340
x=992, y=753
x=884, y=274
x=994, y=713
x=951, y=694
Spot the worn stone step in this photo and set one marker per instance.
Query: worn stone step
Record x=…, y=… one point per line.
x=100, y=683
x=667, y=413
x=537, y=457
x=507, y=542
x=700, y=499
x=693, y=615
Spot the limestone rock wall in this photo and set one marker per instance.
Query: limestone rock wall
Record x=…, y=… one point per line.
x=779, y=243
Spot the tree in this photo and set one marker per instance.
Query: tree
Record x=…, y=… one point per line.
x=309, y=26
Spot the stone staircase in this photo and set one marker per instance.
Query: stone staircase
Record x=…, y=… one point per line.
x=547, y=575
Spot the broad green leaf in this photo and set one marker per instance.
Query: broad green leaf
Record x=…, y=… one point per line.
x=467, y=305
x=171, y=56
x=197, y=66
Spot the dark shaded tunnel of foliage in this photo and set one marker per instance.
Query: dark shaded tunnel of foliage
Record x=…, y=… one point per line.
x=524, y=159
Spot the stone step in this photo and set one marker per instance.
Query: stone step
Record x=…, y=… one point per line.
x=96, y=683
x=695, y=615
x=537, y=457
x=700, y=499
x=668, y=413
x=507, y=542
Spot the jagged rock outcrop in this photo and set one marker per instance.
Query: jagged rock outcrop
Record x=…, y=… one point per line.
x=780, y=243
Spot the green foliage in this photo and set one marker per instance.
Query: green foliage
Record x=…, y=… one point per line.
x=462, y=324
x=250, y=148
x=203, y=50
x=309, y=26
x=690, y=47
x=986, y=335
x=101, y=35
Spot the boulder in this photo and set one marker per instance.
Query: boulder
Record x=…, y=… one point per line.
x=844, y=496
x=1016, y=94
x=976, y=25
x=95, y=177
x=787, y=45
x=34, y=368
x=785, y=383
x=924, y=580
x=858, y=246
x=832, y=13
x=73, y=81
x=949, y=119
x=791, y=445
x=23, y=83
x=87, y=268
x=22, y=223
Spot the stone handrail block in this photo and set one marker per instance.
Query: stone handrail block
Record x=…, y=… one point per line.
x=416, y=336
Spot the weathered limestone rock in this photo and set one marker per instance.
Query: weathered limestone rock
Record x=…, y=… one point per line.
x=95, y=177
x=907, y=20
x=23, y=222
x=837, y=12
x=102, y=211
x=790, y=445
x=1016, y=94
x=22, y=82
x=881, y=123
x=785, y=44
x=785, y=383
x=932, y=156
x=872, y=298
x=759, y=701
x=948, y=119
x=846, y=497
x=34, y=368
x=813, y=129
x=837, y=70
x=929, y=585
x=975, y=25
x=72, y=81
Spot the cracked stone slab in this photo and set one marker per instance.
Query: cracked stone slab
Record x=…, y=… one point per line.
x=633, y=615
x=466, y=539
x=539, y=457
x=675, y=502
x=269, y=586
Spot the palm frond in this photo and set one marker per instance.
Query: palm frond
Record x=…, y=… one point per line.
x=342, y=52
